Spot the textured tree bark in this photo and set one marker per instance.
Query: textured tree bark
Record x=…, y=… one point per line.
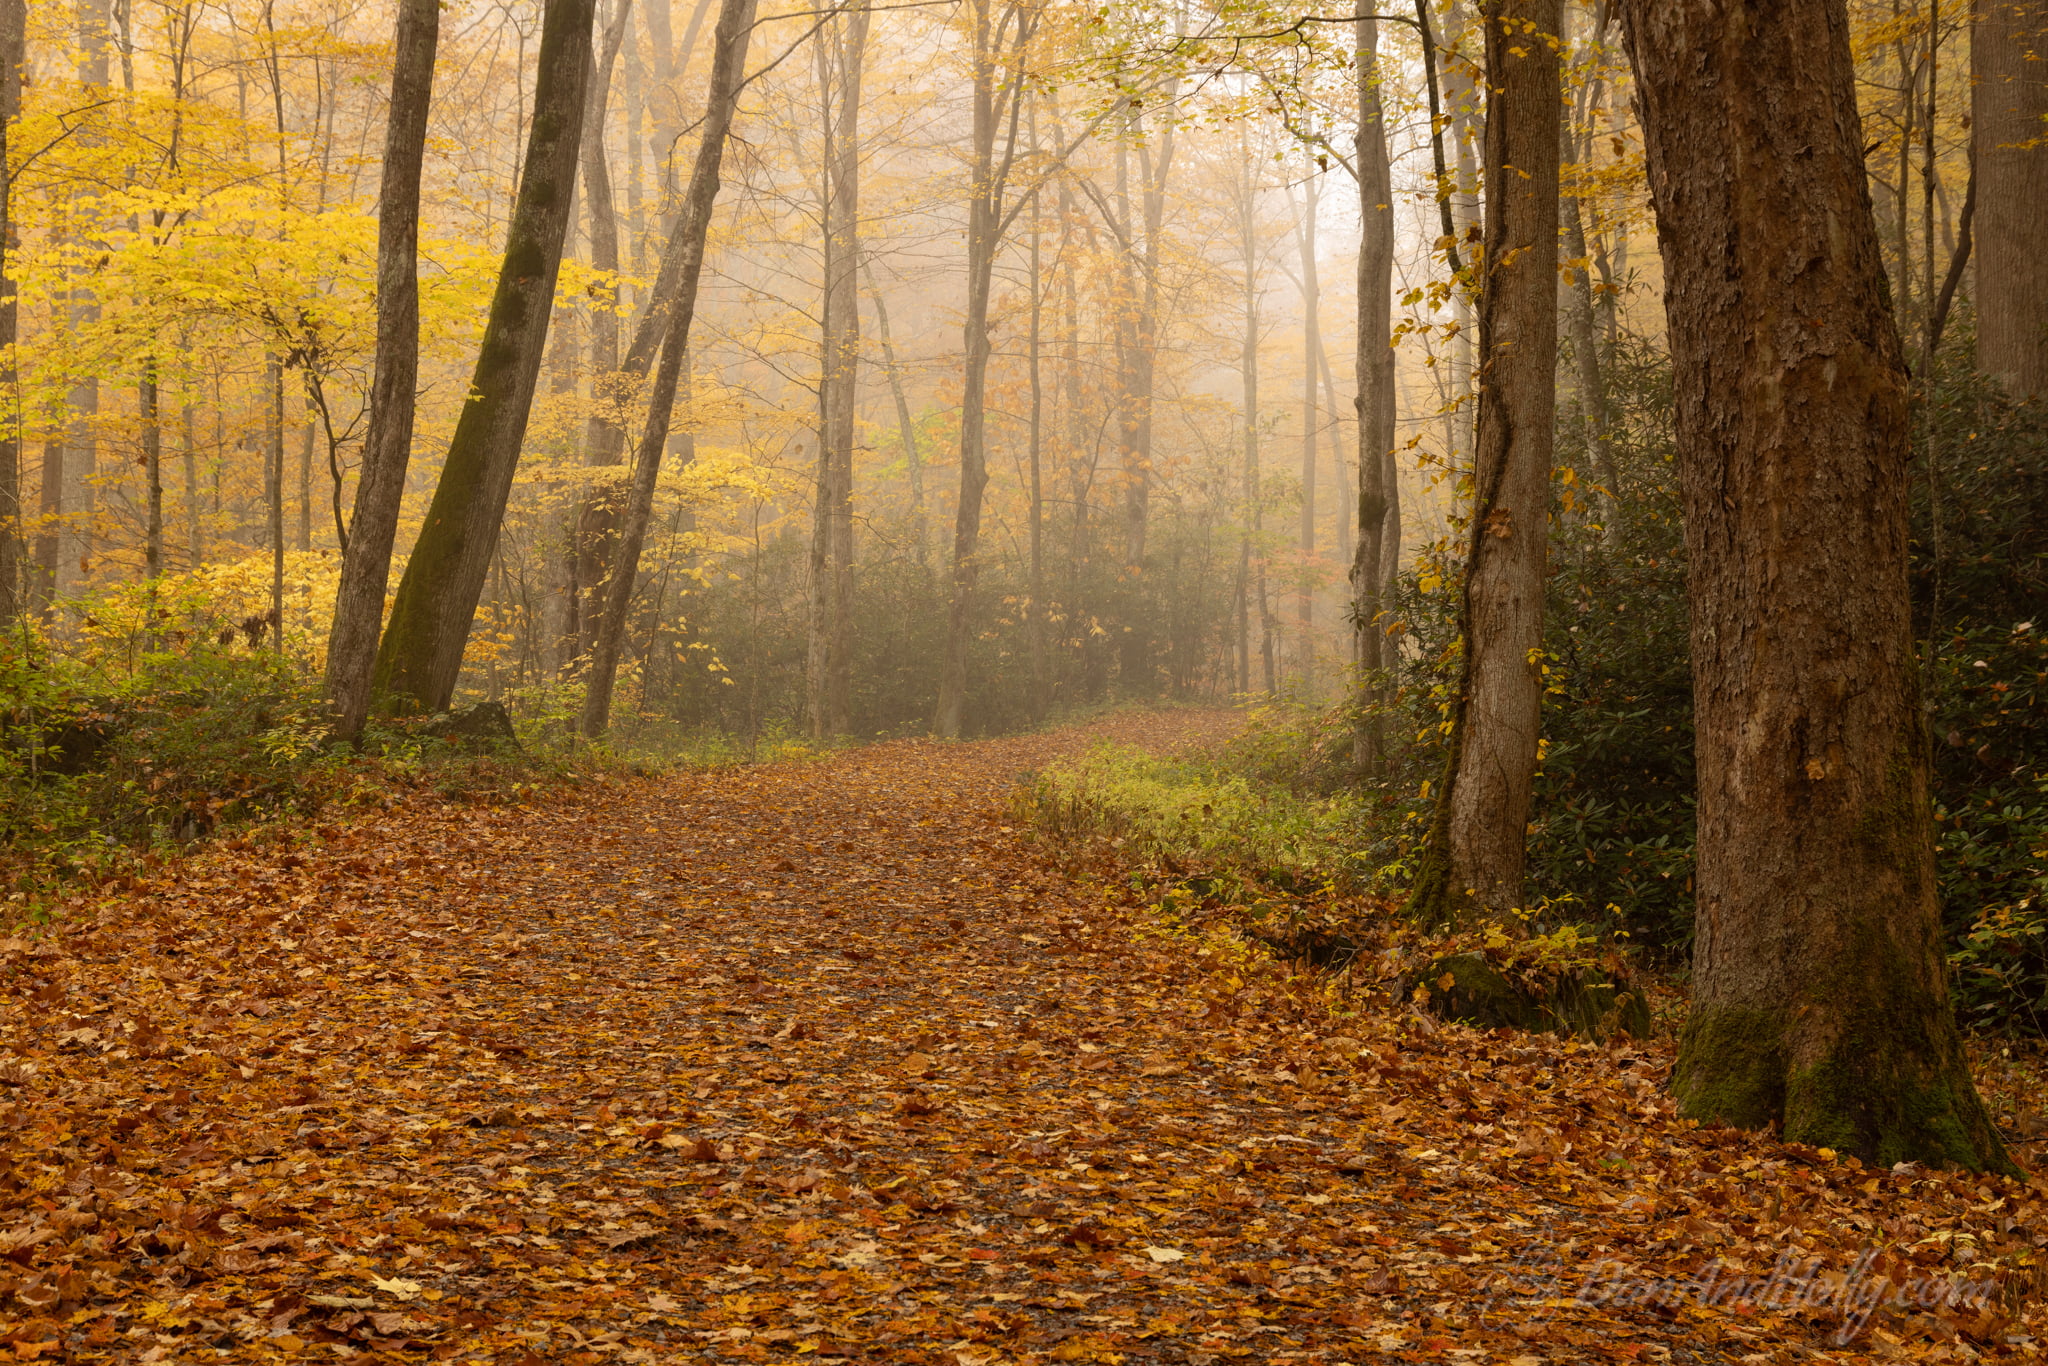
x=387, y=443
x=421, y=654
x=1472, y=864
x=1820, y=997
x=1378, y=504
x=693, y=227
x=2008, y=104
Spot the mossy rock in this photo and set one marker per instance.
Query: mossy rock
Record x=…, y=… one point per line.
x=1467, y=988
x=487, y=725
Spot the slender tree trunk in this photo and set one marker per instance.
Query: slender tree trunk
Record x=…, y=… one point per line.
x=832, y=560
x=307, y=436
x=2009, y=108
x=68, y=493
x=1472, y=864
x=1041, y=665
x=50, y=510
x=1311, y=437
x=188, y=449
x=1378, y=496
x=1250, y=554
x=150, y=410
x=594, y=528
x=421, y=654
x=1580, y=316
x=387, y=444
x=693, y=227
x=1467, y=114
x=1345, y=512
x=997, y=93
x=273, y=494
x=906, y=429
x=1820, y=991
x=1139, y=382
x=13, y=53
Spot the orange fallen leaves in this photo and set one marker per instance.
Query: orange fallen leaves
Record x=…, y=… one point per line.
x=555, y=1083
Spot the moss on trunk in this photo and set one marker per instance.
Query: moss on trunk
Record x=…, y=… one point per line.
x=1855, y=1090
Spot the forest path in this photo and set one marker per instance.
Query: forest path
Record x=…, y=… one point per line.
x=812, y=1061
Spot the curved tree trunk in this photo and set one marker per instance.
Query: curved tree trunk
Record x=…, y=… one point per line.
x=693, y=227
x=421, y=654
x=1820, y=993
x=1473, y=862
x=387, y=446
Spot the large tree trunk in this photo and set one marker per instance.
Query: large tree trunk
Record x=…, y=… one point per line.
x=2009, y=108
x=421, y=655
x=995, y=97
x=831, y=676
x=1820, y=996
x=693, y=227
x=1378, y=507
x=1472, y=864
x=387, y=444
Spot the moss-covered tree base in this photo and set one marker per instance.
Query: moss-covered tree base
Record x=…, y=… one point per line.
x=1467, y=988
x=1860, y=1091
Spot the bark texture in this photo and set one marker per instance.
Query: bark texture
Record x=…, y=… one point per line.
x=735, y=23
x=2009, y=117
x=421, y=655
x=1820, y=996
x=1379, y=505
x=1473, y=862
x=387, y=443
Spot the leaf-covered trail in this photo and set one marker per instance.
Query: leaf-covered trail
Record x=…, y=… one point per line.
x=817, y=1061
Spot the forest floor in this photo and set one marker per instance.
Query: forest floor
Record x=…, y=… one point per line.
x=821, y=1061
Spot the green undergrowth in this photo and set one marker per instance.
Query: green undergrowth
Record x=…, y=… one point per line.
x=111, y=763
x=1227, y=840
